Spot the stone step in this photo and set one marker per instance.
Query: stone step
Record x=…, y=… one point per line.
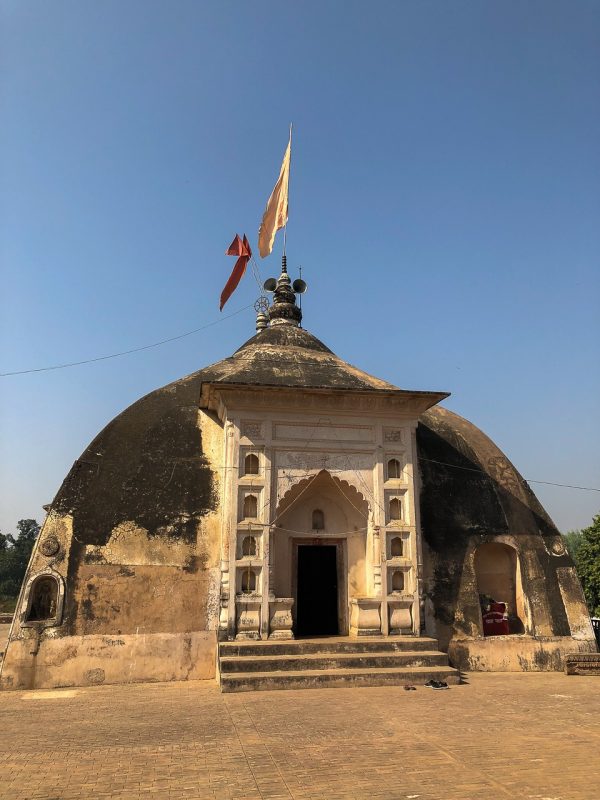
x=328, y=661
x=328, y=645
x=336, y=678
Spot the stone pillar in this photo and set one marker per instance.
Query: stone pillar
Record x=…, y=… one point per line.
x=365, y=616
x=247, y=617
x=280, y=618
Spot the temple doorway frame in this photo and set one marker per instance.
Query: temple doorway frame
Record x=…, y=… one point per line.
x=341, y=560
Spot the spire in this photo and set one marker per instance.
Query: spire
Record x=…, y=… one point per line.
x=284, y=310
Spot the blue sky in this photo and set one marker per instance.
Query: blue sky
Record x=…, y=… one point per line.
x=444, y=208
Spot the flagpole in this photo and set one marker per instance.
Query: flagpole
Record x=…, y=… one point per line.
x=288, y=194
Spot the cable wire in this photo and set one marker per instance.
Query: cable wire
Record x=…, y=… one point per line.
x=127, y=352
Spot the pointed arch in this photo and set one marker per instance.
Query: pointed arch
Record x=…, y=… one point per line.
x=350, y=492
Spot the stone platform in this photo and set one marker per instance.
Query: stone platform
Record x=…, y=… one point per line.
x=582, y=664
x=332, y=662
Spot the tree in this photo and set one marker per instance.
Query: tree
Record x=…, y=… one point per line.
x=14, y=556
x=572, y=541
x=588, y=565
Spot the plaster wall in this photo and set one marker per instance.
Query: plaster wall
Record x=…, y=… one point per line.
x=515, y=653
x=141, y=600
x=92, y=660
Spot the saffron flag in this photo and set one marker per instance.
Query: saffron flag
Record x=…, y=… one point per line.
x=239, y=247
x=276, y=212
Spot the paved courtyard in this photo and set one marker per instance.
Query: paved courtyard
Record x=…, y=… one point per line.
x=534, y=736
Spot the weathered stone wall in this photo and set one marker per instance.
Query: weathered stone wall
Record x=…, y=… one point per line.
x=133, y=537
x=471, y=494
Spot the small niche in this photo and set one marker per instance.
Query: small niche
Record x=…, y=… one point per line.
x=249, y=546
x=397, y=581
x=251, y=464
x=396, y=547
x=395, y=509
x=393, y=469
x=318, y=520
x=250, y=506
x=248, y=581
x=44, y=599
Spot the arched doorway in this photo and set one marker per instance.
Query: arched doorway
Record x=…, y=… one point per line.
x=499, y=582
x=319, y=552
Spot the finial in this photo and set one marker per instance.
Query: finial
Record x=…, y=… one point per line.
x=284, y=310
x=262, y=322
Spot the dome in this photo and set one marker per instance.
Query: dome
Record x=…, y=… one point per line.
x=469, y=485
x=144, y=539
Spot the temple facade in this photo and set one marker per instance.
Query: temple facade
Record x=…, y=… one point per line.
x=282, y=496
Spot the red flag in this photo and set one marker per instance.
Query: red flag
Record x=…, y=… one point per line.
x=239, y=248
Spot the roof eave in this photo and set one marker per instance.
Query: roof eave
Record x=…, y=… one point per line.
x=423, y=400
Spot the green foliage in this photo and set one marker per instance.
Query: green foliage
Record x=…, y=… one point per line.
x=588, y=565
x=573, y=541
x=14, y=557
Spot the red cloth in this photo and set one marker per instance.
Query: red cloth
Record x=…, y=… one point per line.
x=495, y=624
x=239, y=247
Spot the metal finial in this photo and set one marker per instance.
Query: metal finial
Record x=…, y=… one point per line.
x=284, y=310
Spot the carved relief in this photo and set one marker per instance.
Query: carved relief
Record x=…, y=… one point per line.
x=253, y=430
x=392, y=435
x=50, y=546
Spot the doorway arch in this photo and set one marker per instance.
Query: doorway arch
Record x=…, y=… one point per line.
x=318, y=546
x=498, y=575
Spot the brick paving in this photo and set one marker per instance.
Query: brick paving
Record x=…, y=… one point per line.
x=532, y=736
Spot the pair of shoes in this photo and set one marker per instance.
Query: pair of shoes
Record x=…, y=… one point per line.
x=410, y=688
x=437, y=684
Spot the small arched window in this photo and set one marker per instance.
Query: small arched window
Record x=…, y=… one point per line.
x=397, y=581
x=44, y=599
x=248, y=581
x=393, y=468
x=396, y=547
x=251, y=464
x=395, y=509
x=250, y=506
x=318, y=520
x=248, y=546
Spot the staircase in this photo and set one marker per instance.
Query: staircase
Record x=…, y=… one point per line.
x=248, y=666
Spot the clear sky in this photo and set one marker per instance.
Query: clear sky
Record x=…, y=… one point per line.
x=444, y=207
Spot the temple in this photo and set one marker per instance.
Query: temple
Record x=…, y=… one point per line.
x=284, y=519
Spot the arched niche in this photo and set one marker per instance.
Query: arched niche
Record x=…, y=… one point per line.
x=395, y=509
x=251, y=464
x=44, y=600
x=249, y=546
x=396, y=547
x=394, y=469
x=498, y=576
x=318, y=520
x=397, y=581
x=250, y=506
x=248, y=581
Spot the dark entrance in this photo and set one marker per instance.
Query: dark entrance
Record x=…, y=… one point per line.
x=317, y=600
